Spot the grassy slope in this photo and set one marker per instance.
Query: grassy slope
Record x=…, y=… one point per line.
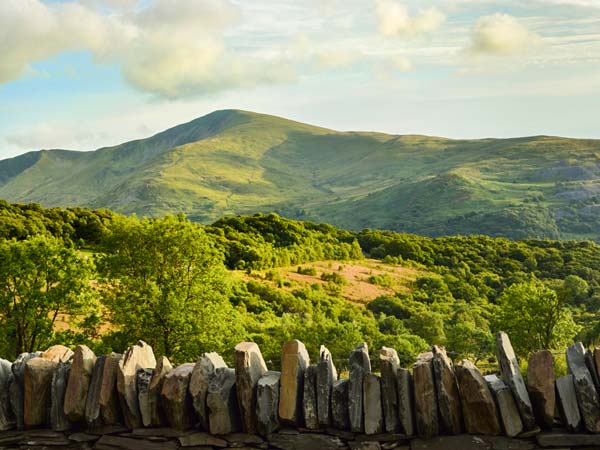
x=239, y=162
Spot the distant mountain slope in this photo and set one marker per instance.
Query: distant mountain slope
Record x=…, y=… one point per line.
x=232, y=162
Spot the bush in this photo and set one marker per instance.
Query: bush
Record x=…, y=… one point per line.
x=384, y=280
x=307, y=271
x=334, y=277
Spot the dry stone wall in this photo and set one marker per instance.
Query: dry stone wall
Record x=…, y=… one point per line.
x=68, y=399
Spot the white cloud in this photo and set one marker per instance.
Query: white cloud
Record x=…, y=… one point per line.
x=394, y=19
x=402, y=64
x=501, y=34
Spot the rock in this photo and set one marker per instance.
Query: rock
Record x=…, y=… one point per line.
x=406, y=401
x=93, y=417
x=309, y=401
x=447, y=391
x=163, y=367
x=222, y=402
x=58, y=389
x=138, y=356
x=339, y=404
x=568, y=440
x=462, y=442
x=360, y=365
x=203, y=373
x=587, y=396
x=78, y=385
x=37, y=383
x=390, y=363
x=7, y=418
x=425, y=397
x=326, y=375
x=267, y=402
x=58, y=353
x=108, y=442
x=591, y=365
x=294, y=361
x=201, y=439
x=479, y=409
x=17, y=387
x=540, y=384
x=511, y=375
x=249, y=368
x=372, y=404
x=312, y=441
x=143, y=387
x=567, y=403
x=505, y=403
x=176, y=399
x=108, y=398
x=596, y=357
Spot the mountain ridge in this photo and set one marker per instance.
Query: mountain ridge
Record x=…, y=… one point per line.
x=240, y=162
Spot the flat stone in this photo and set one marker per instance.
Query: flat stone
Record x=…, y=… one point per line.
x=108, y=398
x=138, y=356
x=58, y=389
x=383, y=437
x=587, y=396
x=203, y=373
x=339, y=404
x=447, y=392
x=425, y=397
x=58, y=353
x=17, y=387
x=78, y=385
x=243, y=438
x=249, y=368
x=309, y=402
x=201, y=439
x=479, y=409
x=406, y=401
x=360, y=365
x=82, y=437
x=372, y=404
x=389, y=363
x=294, y=361
x=109, y=442
x=144, y=377
x=37, y=387
x=162, y=432
x=461, y=442
x=511, y=375
x=361, y=445
x=93, y=417
x=176, y=399
x=326, y=375
x=267, y=402
x=157, y=417
x=567, y=403
x=222, y=402
x=507, y=408
x=568, y=440
x=7, y=418
x=312, y=441
x=540, y=384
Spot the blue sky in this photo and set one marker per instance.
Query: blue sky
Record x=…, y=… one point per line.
x=91, y=73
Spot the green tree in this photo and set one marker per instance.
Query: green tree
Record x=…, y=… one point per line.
x=168, y=286
x=534, y=317
x=41, y=280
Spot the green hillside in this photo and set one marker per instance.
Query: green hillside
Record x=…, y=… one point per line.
x=237, y=162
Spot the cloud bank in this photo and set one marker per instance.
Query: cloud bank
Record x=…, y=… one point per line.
x=501, y=34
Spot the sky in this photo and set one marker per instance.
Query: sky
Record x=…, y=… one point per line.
x=91, y=73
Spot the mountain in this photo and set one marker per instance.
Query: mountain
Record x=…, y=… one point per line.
x=234, y=162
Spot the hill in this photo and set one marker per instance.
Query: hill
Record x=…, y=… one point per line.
x=237, y=162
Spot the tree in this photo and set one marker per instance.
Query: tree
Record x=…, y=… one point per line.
x=41, y=280
x=534, y=317
x=167, y=285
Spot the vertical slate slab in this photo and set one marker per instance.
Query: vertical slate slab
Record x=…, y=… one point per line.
x=17, y=387
x=372, y=404
x=222, y=402
x=203, y=373
x=249, y=367
x=447, y=392
x=176, y=398
x=360, y=365
x=425, y=397
x=309, y=400
x=108, y=398
x=339, y=404
x=93, y=417
x=511, y=375
x=406, y=401
x=326, y=376
x=294, y=361
x=78, y=385
x=267, y=402
x=157, y=416
x=37, y=388
x=567, y=403
x=390, y=363
x=540, y=384
x=591, y=365
x=587, y=396
x=144, y=377
x=7, y=418
x=507, y=408
x=58, y=418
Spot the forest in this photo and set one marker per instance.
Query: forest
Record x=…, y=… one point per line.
x=77, y=275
